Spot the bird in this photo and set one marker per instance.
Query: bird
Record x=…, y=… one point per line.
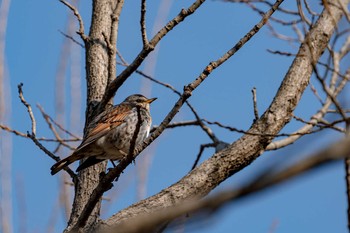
x=111, y=133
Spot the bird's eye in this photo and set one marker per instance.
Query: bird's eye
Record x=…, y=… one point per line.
x=139, y=101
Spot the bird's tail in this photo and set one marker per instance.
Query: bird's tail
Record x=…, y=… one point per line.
x=65, y=162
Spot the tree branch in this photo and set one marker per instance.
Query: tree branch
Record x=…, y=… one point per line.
x=80, y=20
x=29, y=108
x=148, y=222
x=143, y=23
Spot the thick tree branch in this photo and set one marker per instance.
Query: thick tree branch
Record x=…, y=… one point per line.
x=148, y=222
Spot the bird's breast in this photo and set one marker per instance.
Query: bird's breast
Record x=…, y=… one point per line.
x=117, y=142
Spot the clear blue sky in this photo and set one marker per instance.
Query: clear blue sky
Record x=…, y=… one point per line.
x=315, y=202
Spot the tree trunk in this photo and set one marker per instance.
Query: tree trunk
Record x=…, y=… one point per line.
x=97, y=66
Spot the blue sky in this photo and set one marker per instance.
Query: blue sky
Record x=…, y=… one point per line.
x=315, y=202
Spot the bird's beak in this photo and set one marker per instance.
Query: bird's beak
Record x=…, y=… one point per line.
x=150, y=100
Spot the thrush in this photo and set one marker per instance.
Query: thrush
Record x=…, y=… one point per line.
x=112, y=133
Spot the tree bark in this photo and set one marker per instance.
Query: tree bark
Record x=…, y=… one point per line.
x=97, y=68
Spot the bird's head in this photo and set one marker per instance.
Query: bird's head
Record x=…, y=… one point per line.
x=139, y=101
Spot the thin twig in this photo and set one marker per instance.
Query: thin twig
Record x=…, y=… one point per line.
x=176, y=124
x=255, y=105
x=199, y=155
x=233, y=129
x=21, y=134
x=329, y=93
x=32, y=135
x=72, y=39
x=264, y=2
x=143, y=23
x=314, y=90
x=53, y=130
x=51, y=155
x=281, y=36
x=8, y=129
x=287, y=54
x=80, y=20
x=308, y=8
x=347, y=175
x=332, y=125
x=347, y=179
x=45, y=115
x=29, y=108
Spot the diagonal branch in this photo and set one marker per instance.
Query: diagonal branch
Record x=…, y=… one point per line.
x=32, y=135
x=80, y=20
x=148, y=222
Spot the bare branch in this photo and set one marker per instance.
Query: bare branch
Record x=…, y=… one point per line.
x=29, y=108
x=80, y=20
x=308, y=8
x=32, y=135
x=45, y=115
x=287, y=54
x=329, y=94
x=51, y=155
x=177, y=124
x=255, y=105
x=111, y=43
x=263, y=2
x=201, y=149
x=143, y=23
x=347, y=179
x=314, y=90
x=53, y=130
x=150, y=221
x=8, y=129
x=21, y=134
x=301, y=13
x=347, y=16
x=72, y=39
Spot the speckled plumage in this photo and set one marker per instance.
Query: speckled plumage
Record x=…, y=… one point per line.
x=110, y=133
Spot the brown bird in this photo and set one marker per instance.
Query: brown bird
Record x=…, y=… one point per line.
x=112, y=132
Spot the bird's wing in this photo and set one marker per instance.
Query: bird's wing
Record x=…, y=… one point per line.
x=104, y=122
